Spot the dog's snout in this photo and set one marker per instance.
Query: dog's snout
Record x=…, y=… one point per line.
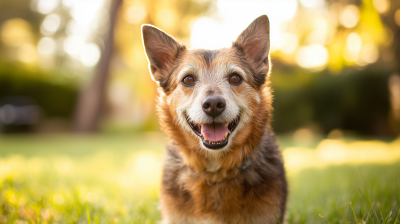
x=213, y=105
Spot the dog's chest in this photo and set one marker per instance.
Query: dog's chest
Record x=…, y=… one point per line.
x=225, y=196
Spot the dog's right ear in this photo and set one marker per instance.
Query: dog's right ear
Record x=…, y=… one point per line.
x=162, y=50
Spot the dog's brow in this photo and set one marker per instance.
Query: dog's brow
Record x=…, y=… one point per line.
x=186, y=69
x=234, y=68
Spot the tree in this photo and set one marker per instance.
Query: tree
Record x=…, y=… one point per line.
x=91, y=99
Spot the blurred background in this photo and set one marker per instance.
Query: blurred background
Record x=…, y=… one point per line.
x=77, y=100
x=80, y=65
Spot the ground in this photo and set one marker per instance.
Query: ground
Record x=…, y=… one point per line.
x=115, y=179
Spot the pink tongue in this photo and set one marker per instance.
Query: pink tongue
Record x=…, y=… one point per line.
x=214, y=132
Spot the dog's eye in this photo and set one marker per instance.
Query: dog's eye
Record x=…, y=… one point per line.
x=188, y=80
x=235, y=79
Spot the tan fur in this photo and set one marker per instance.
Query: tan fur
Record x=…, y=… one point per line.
x=209, y=186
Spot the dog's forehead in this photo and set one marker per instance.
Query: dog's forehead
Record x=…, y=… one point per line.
x=211, y=60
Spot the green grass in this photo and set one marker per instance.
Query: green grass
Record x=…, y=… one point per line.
x=115, y=179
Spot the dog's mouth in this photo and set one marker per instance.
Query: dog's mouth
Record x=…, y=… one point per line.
x=214, y=135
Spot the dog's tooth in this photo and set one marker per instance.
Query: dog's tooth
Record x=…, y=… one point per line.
x=204, y=136
x=226, y=125
x=226, y=134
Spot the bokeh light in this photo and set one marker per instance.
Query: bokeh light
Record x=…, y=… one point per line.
x=397, y=17
x=50, y=24
x=16, y=32
x=135, y=14
x=46, y=46
x=381, y=6
x=350, y=16
x=370, y=53
x=354, y=43
x=73, y=45
x=289, y=43
x=312, y=56
x=27, y=53
x=311, y=3
x=90, y=54
x=47, y=6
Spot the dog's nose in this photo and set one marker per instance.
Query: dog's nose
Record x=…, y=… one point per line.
x=213, y=105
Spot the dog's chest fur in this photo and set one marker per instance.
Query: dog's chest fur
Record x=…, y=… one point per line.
x=257, y=193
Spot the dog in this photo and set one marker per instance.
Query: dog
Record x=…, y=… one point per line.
x=222, y=164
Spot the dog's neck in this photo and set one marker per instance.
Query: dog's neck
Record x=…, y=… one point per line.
x=217, y=168
x=213, y=164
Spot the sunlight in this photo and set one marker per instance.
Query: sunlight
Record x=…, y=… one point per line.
x=50, y=24
x=47, y=6
x=84, y=12
x=143, y=169
x=354, y=43
x=73, y=45
x=312, y=56
x=27, y=53
x=303, y=137
x=135, y=14
x=334, y=152
x=311, y=3
x=166, y=18
x=75, y=29
x=289, y=43
x=221, y=28
x=370, y=53
x=320, y=32
x=90, y=55
x=350, y=16
x=353, y=47
x=63, y=165
x=46, y=46
x=381, y=6
x=201, y=40
x=397, y=17
x=15, y=32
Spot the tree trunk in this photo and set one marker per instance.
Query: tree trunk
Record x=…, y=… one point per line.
x=91, y=100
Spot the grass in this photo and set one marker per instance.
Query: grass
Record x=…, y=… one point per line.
x=115, y=179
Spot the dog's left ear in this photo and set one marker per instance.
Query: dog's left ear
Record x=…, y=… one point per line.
x=253, y=42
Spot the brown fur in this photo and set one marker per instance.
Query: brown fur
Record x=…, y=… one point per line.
x=192, y=192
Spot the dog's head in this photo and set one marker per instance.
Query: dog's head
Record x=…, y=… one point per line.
x=211, y=100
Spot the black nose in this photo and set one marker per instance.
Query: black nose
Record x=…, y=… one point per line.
x=213, y=105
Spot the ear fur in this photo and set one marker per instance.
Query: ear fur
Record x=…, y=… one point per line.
x=162, y=50
x=254, y=43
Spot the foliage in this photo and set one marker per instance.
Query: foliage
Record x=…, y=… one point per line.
x=54, y=94
x=356, y=101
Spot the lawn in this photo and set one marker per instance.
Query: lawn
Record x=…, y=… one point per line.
x=115, y=179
